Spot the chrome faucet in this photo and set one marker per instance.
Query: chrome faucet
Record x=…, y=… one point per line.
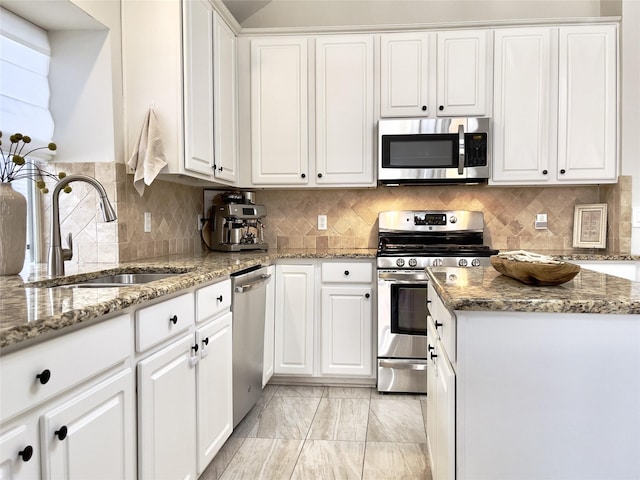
x=57, y=254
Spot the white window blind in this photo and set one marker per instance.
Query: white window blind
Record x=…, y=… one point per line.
x=24, y=84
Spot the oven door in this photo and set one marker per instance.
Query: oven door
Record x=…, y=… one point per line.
x=402, y=314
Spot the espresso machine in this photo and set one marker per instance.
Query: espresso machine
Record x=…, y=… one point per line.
x=237, y=223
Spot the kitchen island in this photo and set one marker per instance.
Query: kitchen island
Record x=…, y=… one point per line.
x=533, y=382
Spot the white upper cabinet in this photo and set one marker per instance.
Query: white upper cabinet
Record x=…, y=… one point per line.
x=198, y=87
x=524, y=120
x=279, y=119
x=461, y=88
x=405, y=73
x=291, y=93
x=587, y=117
x=345, y=122
x=555, y=105
x=225, y=102
x=434, y=74
x=170, y=50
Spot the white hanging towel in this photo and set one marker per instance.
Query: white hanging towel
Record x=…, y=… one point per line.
x=148, y=158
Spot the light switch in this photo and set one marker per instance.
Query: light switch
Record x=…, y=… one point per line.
x=322, y=222
x=147, y=222
x=635, y=222
x=541, y=221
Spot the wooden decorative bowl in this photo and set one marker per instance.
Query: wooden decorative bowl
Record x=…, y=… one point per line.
x=537, y=274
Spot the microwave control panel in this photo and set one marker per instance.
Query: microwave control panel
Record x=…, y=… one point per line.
x=475, y=145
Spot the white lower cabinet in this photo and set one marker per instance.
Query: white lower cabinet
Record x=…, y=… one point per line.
x=441, y=406
x=324, y=319
x=293, y=341
x=67, y=407
x=346, y=331
x=214, y=388
x=96, y=420
x=269, y=327
x=167, y=412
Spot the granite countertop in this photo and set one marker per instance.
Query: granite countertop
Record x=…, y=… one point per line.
x=485, y=289
x=30, y=310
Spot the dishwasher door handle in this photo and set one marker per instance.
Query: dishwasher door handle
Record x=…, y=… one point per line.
x=255, y=282
x=404, y=364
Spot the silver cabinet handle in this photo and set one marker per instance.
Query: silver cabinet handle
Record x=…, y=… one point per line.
x=248, y=286
x=411, y=365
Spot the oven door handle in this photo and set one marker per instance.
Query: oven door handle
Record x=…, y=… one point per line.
x=404, y=364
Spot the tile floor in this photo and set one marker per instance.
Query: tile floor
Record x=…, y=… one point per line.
x=316, y=432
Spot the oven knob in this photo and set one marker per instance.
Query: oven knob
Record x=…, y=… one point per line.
x=437, y=262
x=475, y=262
x=462, y=262
x=453, y=219
x=413, y=262
x=400, y=262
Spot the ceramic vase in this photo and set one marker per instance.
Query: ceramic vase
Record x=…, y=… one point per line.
x=13, y=230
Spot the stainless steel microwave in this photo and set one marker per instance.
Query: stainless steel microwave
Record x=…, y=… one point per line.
x=433, y=150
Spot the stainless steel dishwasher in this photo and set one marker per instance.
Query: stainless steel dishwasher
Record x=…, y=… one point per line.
x=248, y=305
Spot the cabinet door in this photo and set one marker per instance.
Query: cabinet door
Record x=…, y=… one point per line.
x=445, y=417
x=462, y=73
x=198, y=86
x=269, y=326
x=346, y=331
x=20, y=451
x=166, y=413
x=225, y=107
x=587, y=131
x=524, y=112
x=345, y=122
x=404, y=74
x=294, y=319
x=432, y=388
x=279, y=122
x=215, y=388
x=92, y=434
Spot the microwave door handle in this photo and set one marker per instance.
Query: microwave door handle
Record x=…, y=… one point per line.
x=460, y=149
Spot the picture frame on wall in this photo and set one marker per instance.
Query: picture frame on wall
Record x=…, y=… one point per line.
x=590, y=226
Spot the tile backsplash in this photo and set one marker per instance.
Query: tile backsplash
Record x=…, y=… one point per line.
x=292, y=215
x=509, y=213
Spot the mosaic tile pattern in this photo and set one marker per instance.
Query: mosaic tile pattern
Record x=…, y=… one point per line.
x=509, y=213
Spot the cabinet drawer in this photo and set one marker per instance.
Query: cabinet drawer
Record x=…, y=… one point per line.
x=446, y=323
x=163, y=320
x=212, y=300
x=347, y=272
x=61, y=363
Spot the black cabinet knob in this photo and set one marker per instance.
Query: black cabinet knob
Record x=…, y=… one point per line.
x=438, y=324
x=441, y=107
x=221, y=168
x=366, y=295
x=433, y=355
x=195, y=348
x=205, y=340
x=44, y=376
x=346, y=272
x=424, y=108
x=27, y=453
x=319, y=175
x=428, y=302
x=429, y=348
x=563, y=171
x=174, y=319
x=62, y=433
x=303, y=175
x=544, y=172
x=219, y=298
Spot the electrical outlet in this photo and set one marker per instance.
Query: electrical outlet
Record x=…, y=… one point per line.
x=541, y=221
x=322, y=222
x=199, y=222
x=147, y=222
x=635, y=222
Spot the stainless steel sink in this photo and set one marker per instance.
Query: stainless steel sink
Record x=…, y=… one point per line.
x=121, y=280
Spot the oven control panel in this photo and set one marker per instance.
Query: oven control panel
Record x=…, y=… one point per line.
x=430, y=219
x=411, y=263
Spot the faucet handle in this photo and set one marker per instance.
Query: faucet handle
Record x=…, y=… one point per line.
x=67, y=253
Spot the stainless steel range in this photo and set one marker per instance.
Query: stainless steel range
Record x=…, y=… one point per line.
x=408, y=242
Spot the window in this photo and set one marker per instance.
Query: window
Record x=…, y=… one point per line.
x=24, y=101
